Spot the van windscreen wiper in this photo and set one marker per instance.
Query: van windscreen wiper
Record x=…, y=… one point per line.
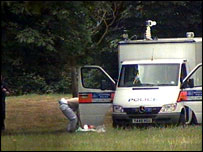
x=165, y=84
x=148, y=84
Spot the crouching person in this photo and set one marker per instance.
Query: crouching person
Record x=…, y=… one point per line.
x=70, y=109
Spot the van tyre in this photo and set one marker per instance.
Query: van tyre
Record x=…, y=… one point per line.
x=182, y=119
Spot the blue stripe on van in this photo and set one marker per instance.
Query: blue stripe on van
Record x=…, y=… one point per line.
x=99, y=95
x=194, y=93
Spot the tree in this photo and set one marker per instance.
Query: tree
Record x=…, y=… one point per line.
x=174, y=18
x=46, y=41
x=57, y=34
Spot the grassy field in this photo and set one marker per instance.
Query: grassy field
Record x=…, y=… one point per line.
x=35, y=123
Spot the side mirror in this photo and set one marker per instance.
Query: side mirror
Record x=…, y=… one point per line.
x=188, y=84
x=191, y=83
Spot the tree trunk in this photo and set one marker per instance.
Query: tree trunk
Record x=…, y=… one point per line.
x=74, y=81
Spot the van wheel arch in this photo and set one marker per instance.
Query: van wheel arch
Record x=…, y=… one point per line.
x=186, y=116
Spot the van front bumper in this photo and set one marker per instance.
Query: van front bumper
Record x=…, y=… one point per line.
x=160, y=118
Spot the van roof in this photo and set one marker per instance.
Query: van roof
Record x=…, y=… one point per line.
x=154, y=61
x=163, y=40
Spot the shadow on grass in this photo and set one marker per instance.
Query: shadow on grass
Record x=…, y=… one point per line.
x=27, y=132
x=148, y=126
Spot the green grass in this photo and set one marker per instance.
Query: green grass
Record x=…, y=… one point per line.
x=34, y=123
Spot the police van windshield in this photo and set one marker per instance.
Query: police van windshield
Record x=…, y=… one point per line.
x=139, y=75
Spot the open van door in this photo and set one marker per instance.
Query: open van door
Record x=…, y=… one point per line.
x=192, y=91
x=95, y=91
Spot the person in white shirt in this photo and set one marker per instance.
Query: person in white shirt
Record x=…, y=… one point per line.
x=70, y=110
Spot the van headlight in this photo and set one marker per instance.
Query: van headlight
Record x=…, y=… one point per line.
x=117, y=108
x=168, y=108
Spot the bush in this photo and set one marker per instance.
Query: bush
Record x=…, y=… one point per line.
x=32, y=83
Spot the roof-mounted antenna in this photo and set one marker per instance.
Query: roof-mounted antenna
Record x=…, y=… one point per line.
x=125, y=35
x=149, y=24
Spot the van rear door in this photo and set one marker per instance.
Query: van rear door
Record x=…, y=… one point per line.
x=95, y=91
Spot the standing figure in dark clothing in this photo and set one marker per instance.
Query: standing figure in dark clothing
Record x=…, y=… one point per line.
x=4, y=91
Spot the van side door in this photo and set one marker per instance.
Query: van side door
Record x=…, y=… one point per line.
x=95, y=91
x=192, y=86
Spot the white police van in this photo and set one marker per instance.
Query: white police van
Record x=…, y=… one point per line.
x=169, y=91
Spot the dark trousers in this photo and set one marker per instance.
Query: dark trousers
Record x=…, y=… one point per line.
x=3, y=112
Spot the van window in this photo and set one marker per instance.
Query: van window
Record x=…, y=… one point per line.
x=149, y=75
x=92, y=77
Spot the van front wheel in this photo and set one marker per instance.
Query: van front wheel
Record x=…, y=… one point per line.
x=186, y=116
x=182, y=119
